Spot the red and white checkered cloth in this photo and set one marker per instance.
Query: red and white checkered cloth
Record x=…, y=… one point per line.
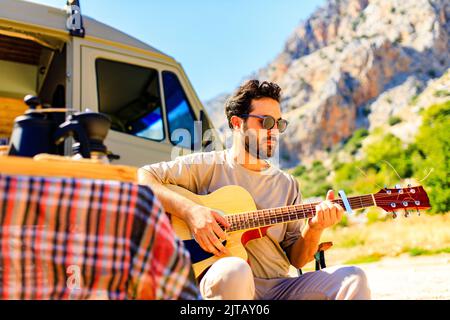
x=63, y=238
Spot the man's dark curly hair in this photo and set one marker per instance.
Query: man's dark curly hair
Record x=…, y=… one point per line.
x=240, y=102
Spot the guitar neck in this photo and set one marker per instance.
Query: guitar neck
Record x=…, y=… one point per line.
x=267, y=217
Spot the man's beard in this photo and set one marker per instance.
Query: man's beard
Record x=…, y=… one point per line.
x=260, y=149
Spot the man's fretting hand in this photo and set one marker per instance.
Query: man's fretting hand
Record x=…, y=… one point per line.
x=327, y=213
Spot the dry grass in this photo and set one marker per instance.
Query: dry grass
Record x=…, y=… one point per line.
x=364, y=243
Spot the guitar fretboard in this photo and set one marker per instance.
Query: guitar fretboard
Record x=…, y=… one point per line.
x=267, y=217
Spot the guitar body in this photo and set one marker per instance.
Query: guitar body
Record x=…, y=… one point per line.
x=228, y=200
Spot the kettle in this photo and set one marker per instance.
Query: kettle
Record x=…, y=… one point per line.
x=33, y=132
x=43, y=131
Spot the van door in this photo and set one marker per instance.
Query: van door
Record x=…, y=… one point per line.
x=129, y=90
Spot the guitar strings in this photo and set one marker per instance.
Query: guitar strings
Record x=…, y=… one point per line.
x=268, y=217
x=252, y=223
x=285, y=214
x=274, y=213
x=279, y=214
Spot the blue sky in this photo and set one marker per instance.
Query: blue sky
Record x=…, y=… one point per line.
x=217, y=42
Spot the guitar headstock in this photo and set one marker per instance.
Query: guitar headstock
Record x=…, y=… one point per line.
x=392, y=200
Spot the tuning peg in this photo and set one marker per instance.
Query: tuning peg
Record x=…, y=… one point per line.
x=399, y=188
x=406, y=213
x=394, y=215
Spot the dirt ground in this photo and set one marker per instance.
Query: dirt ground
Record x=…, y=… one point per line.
x=410, y=278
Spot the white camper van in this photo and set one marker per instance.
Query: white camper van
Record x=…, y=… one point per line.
x=84, y=63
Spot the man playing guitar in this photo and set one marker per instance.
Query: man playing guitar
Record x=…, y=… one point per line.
x=254, y=115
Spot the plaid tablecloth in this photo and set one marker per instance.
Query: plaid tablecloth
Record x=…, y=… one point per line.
x=63, y=238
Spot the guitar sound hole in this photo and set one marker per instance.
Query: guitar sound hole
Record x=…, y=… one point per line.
x=196, y=252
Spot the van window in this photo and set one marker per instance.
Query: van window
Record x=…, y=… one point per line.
x=130, y=95
x=179, y=111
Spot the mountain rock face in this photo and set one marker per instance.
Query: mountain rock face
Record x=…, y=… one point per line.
x=353, y=64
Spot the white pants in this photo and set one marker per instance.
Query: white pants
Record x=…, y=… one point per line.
x=232, y=279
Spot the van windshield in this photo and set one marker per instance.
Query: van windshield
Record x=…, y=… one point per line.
x=130, y=95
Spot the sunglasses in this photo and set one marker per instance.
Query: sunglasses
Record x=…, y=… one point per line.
x=269, y=122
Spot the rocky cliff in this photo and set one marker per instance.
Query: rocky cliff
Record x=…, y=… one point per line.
x=357, y=63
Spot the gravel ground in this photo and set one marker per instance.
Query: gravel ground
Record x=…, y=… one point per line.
x=410, y=278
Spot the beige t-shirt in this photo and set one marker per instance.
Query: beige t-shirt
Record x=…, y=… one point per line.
x=203, y=173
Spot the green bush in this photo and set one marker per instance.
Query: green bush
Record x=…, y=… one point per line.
x=355, y=142
x=374, y=169
x=441, y=93
x=414, y=99
x=299, y=171
x=373, y=215
x=345, y=176
x=394, y=120
x=391, y=149
x=313, y=179
x=433, y=146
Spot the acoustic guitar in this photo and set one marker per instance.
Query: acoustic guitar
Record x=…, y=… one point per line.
x=239, y=209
